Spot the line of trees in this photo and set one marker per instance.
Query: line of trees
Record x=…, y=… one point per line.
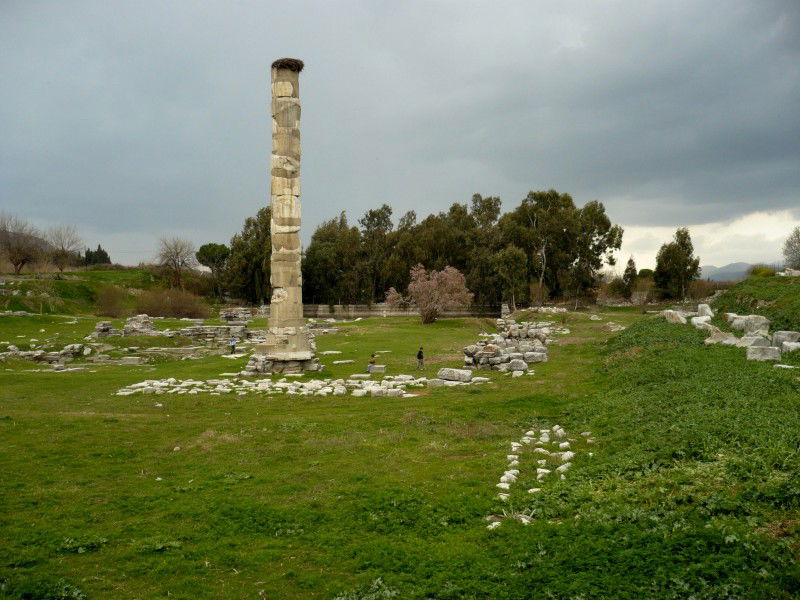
x=545, y=248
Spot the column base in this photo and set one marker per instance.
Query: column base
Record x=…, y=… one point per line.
x=259, y=365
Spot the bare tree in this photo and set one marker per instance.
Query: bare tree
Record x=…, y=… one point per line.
x=65, y=243
x=20, y=241
x=791, y=249
x=176, y=255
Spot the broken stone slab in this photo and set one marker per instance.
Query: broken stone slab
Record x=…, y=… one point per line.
x=434, y=383
x=763, y=353
x=704, y=310
x=720, y=337
x=378, y=369
x=751, y=324
x=785, y=336
x=701, y=322
x=447, y=374
x=790, y=347
x=343, y=362
x=752, y=340
x=673, y=316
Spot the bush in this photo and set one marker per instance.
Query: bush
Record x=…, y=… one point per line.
x=172, y=303
x=108, y=267
x=111, y=301
x=701, y=288
x=617, y=288
x=761, y=271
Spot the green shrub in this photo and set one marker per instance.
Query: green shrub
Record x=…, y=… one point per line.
x=761, y=271
x=111, y=301
x=172, y=303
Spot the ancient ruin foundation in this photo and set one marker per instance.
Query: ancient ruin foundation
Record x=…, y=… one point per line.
x=288, y=348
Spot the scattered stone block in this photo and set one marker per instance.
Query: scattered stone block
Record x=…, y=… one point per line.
x=763, y=353
x=704, y=310
x=751, y=324
x=673, y=316
x=785, y=336
x=701, y=322
x=434, y=383
x=131, y=360
x=790, y=347
x=752, y=340
x=463, y=375
x=720, y=337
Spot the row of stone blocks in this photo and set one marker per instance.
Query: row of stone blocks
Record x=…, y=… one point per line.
x=757, y=340
x=260, y=365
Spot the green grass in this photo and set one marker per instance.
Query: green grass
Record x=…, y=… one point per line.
x=693, y=489
x=777, y=298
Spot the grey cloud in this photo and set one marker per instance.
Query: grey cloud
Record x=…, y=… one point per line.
x=138, y=118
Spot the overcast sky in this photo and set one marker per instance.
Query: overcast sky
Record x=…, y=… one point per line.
x=134, y=120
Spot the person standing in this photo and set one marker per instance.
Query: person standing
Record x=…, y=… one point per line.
x=420, y=360
x=232, y=344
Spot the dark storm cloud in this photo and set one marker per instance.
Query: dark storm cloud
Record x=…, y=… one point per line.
x=139, y=119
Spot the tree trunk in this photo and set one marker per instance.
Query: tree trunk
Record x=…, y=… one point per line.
x=541, y=276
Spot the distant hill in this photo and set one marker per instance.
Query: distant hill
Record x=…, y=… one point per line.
x=732, y=272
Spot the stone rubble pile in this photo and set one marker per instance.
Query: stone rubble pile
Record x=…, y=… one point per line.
x=549, y=454
x=359, y=385
x=514, y=348
x=756, y=338
x=140, y=325
x=57, y=357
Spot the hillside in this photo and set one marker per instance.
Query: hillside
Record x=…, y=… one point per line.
x=75, y=293
x=777, y=298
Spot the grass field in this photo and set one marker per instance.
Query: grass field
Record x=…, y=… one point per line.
x=693, y=489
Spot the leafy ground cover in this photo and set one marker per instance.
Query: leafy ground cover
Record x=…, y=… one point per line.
x=692, y=489
x=777, y=298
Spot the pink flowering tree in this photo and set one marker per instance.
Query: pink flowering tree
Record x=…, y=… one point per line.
x=433, y=292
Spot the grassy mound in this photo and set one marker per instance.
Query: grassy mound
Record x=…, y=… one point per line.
x=777, y=298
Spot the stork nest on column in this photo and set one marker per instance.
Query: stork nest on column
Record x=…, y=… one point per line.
x=293, y=64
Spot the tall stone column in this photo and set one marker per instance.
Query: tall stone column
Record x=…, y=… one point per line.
x=289, y=347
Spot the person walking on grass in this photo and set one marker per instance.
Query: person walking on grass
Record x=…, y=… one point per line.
x=232, y=344
x=371, y=364
x=420, y=360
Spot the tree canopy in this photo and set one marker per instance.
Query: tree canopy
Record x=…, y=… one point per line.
x=676, y=266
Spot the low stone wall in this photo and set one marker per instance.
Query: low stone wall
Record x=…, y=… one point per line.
x=352, y=311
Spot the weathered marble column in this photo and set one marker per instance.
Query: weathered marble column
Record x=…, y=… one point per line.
x=289, y=346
